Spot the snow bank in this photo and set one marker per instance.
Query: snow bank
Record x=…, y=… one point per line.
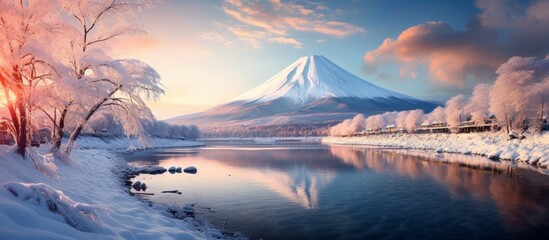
x=85, y=201
x=79, y=215
x=532, y=150
x=131, y=144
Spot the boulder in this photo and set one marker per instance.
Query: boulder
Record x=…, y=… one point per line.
x=190, y=169
x=137, y=186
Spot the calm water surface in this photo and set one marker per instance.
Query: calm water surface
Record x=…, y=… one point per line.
x=323, y=192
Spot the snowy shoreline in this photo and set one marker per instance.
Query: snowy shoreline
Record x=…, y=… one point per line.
x=91, y=181
x=533, y=150
x=125, y=144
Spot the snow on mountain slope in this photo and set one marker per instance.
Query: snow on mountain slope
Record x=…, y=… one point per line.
x=311, y=90
x=315, y=77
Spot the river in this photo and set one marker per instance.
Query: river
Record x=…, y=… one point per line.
x=314, y=191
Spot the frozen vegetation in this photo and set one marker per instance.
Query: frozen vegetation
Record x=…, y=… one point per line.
x=516, y=101
x=64, y=88
x=84, y=199
x=514, y=109
x=532, y=150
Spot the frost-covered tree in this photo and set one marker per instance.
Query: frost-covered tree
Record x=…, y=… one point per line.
x=438, y=115
x=521, y=92
x=97, y=81
x=357, y=124
x=375, y=122
x=176, y=131
x=105, y=122
x=479, y=103
x=389, y=118
x=161, y=129
x=349, y=126
x=341, y=128
x=455, y=112
x=194, y=132
x=26, y=59
x=401, y=119
x=413, y=119
x=538, y=96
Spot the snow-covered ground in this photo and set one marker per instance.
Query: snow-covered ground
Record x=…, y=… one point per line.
x=532, y=150
x=125, y=143
x=83, y=199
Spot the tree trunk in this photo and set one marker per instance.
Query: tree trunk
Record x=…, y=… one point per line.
x=58, y=138
x=19, y=120
x=72, y=139
x=14, y=120
x=541, y=117
x=22, y=140
x=74, y=135
x=507, y=121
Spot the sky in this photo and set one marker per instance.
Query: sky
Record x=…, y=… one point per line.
x=208, y=52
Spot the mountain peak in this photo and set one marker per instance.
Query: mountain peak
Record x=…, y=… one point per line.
x=314, y=77
x=311, y=58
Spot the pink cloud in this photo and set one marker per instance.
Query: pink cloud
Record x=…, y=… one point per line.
x=408, y=71
x=283, y=40
x=252, y=37
x=261, y=22
x=278, y=19
x=447, y=52
x=462, y=58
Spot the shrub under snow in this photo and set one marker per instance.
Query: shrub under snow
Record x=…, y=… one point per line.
x=79, y=215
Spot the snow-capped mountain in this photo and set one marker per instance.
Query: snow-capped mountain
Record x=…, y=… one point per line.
x=315, y=77
x=311, y=90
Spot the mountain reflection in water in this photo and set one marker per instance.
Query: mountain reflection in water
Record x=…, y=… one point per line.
x=266, y=184
x=518, y=196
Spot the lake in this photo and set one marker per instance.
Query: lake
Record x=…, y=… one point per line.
x=314, y=191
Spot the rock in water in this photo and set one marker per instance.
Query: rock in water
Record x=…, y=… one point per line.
x=190, y=169
x=145, y=169
x=172, y=169
x=143, y=186
x=137, y=185
x=172, y=191
x=178, y=169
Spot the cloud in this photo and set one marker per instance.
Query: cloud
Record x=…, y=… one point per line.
x=462, y=58
x=449, y=54
x=283, y=40
x=526, y=24
x=408, y=71
x=252, y=37
x=278, y=20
